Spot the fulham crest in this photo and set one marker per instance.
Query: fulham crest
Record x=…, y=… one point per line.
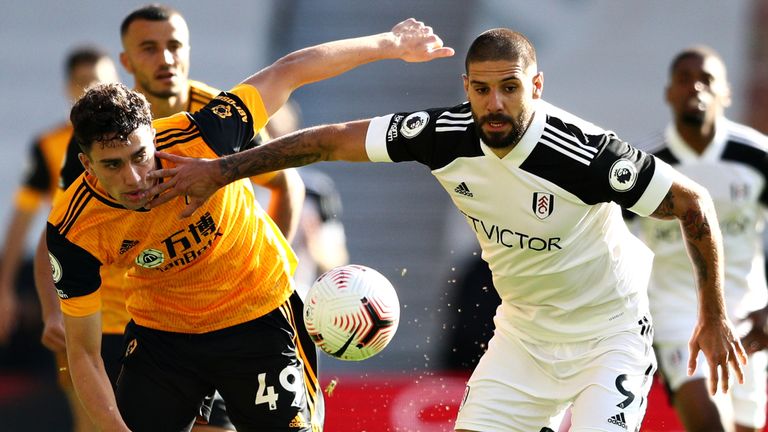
x=623, y=175
x=414, y=124
x=543, y=204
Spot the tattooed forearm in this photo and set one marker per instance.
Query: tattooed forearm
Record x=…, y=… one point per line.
x=695, y=225
x=666, y=209
x=290, y=151
x=700, y=267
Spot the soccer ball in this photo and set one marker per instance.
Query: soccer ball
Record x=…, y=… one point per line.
x=351, y=312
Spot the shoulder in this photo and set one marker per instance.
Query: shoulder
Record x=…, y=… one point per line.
x=563, y=128
x=176, y=121
x=745, y=135
x=202, y=90
x=72, y=205
x=57, y=133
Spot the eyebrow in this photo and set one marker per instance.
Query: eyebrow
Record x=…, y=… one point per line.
x=134, y=154
x=503, y=80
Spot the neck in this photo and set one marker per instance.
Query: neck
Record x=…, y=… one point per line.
x=697, y=137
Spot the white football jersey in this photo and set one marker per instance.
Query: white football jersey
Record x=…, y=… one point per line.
x=546, y=215
x=733, y=168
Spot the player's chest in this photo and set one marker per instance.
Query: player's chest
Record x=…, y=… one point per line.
x=498, y=197
x=148, y=242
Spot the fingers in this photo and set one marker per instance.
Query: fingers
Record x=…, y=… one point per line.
x=169, y=157
x=163, y=198
x=162, y=173
x=736, y=365
x=725, y=378
x=693, y=350
x=192, y=206
x=740, y=352
x=441, y=52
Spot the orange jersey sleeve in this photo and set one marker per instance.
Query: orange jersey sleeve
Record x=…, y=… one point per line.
x=43, y=164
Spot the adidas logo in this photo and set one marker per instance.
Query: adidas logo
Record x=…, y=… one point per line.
x=298, y=422
x=464, y=190
x=127, y=245
x=618, y=420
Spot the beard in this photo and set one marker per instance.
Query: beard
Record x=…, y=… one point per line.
x=693, y=118
x=497, y=140
x=166, y=93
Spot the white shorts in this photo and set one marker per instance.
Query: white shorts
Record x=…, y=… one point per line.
x=526, y=387
x=748, y=401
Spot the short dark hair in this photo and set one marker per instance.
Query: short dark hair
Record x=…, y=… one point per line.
x=107, y=112
x=501, y=44
x=700, y=51
x=87, y=55
x=150, y=12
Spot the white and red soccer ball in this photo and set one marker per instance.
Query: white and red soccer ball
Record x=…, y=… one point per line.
x=352, y=312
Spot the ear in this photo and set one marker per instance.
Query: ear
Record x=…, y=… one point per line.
x=726, y=96
x=126, y=63
x=466, y=84
x=538, y=85
x=86, y=162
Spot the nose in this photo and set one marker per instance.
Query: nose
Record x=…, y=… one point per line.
x=168, y=57
x=495, y=102
x=131, y=175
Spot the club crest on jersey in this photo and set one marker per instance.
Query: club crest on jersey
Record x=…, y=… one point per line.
x=150, y=258
x=414, y=124
x=222, y=111
x=543, y=204
x=623, y=175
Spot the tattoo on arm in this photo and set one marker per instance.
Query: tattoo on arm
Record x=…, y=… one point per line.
x=666, y=208
x=695, y=225
x=292, y=151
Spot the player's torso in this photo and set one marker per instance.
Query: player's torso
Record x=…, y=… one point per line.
x=556, y=259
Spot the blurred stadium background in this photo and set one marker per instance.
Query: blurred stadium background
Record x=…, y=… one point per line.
x=602, y=59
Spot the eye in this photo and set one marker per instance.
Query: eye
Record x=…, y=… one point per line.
x=510, y=88
x=481, y=90
x=140, y=157
x=174, y=47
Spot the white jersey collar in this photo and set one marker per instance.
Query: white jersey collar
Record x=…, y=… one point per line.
x=684, y=153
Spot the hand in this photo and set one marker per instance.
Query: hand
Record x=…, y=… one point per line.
x=195, y=179
x=8, y=313
x=722, y=349
x=418, y=43
x=756, y=338
x=53, y=333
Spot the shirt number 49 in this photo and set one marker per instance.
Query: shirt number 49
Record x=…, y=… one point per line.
x=290, y=379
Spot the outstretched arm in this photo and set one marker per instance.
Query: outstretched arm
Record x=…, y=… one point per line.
x=198, y=179
x=714, y=334
x=410, y=40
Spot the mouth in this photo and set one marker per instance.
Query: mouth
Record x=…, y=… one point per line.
x=165, y=76
x=496, y=126
x=134, y=196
